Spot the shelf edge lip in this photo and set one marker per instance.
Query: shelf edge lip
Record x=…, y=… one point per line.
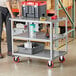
x=42, y=40
x=32, y=56
x=38, y=21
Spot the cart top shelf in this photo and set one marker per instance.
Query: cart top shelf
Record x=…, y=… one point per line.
x=22, y=19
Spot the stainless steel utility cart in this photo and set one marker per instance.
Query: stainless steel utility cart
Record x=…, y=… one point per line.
x=40, y=37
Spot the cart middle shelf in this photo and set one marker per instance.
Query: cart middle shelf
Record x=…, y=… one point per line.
x=40, y=36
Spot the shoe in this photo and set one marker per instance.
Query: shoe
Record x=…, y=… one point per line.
x=1, y=56
x=9, y=53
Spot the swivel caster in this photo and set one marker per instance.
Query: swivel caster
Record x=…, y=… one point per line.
x=29, y=60
x=50, y=64
x=61, y=59
x=16, y=59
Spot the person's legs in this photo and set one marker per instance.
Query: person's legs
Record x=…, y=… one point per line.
x=1, y=28
x=9, y=36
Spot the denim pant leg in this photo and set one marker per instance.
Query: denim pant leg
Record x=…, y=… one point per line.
x=1, y=28
x=8, y=32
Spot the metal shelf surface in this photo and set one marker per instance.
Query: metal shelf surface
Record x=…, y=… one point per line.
x=40, y=36
x=45, y=54
x=23, y=19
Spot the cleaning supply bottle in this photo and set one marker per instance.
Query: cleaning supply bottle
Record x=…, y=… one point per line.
x=32, y=31
x=47, y=33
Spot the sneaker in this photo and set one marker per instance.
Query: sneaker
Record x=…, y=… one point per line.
x=1, y=56
x=9, y=53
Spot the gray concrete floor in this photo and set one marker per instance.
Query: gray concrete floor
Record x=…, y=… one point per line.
x=39, y=67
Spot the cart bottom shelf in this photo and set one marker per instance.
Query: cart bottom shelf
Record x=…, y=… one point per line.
x=42, y=55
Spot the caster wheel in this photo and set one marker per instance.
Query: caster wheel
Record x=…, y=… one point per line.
x=61, y=59
x=29, y=60
x=16, y=60
x=50, y=64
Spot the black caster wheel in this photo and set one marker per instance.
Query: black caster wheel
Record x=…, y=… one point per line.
x=50, y=64
x=16, y=59
x=61, y=59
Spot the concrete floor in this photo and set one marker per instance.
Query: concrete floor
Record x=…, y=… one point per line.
x=39, y=67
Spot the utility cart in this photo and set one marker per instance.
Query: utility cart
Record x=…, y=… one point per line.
x=40, y=37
